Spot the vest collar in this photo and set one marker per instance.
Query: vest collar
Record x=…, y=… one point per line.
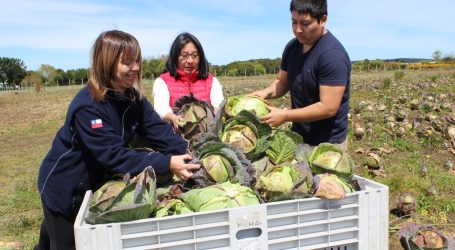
x=192, y=77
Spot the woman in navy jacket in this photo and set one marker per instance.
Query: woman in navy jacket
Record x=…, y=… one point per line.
x=94, y=141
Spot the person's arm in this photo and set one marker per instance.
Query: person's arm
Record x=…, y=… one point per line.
x=334, y=74
x=216, y=94
x=162, y=138
x=161, y=96
x=278, y=88
x=327, y=107
x=107, y=147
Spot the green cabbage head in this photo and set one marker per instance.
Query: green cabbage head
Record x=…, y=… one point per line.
x=241, y=136
x=124, y=200
x=197, y=115
x=220, y=163
x=247, y=133
x=254, y=104
x=330, y=186
x=329, y=158
x=218, y=167
x=219, y=196
x=285, y=181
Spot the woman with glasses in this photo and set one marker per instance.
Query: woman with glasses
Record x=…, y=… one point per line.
x=187, y=71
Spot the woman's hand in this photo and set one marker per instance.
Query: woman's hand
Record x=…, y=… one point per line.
x=174, y=120
x=181, y=169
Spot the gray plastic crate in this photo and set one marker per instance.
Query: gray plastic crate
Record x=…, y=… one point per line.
x=357, y=222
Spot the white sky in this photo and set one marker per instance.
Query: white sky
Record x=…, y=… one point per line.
x=61, y=32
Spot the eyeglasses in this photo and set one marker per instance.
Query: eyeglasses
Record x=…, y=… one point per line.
x=185, y=56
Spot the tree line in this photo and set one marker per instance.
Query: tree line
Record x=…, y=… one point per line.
x=13, y=71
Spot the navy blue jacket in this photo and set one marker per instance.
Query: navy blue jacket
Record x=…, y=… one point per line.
x=94, y=143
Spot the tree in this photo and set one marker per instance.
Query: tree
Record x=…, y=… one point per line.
x=12, y=70
x=366, y=65
x=33, y=78
x=49, y=73
x=377, y=64
x=449, y=58
x=153, y=67
x=437, y=55
x=61, y=78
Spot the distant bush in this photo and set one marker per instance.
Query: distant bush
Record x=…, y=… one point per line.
x=399, y=75
x=386, y=83
x=434, y=78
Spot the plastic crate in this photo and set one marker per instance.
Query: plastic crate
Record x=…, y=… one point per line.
x=357, y=222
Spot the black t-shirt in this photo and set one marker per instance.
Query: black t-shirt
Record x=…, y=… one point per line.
x=326, y=63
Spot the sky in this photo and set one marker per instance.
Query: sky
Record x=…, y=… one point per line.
x=61, y=33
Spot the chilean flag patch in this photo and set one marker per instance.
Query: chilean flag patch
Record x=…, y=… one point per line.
x=98, y=123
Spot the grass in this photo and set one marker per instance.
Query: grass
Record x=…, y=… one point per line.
x=30, y=120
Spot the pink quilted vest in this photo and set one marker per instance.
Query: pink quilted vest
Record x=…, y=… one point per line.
x=187, y=84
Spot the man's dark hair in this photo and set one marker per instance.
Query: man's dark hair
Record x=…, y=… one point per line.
x=316, y=8
x=180, y=41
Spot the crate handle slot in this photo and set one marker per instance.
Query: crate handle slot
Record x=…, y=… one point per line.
x=248, y=233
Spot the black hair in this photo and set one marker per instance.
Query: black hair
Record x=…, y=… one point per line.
x=315, y=8
x=180, y=41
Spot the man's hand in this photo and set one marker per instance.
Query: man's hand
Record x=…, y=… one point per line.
x=260, y=93
x=276, y=117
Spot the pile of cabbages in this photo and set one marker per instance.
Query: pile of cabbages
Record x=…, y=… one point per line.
x=243, y=162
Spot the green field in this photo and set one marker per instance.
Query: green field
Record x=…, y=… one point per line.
x=413, y=159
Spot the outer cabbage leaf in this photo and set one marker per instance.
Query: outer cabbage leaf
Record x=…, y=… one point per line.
x=171, y=207
x=135, y=201
x=303, y=152
x=283, y=146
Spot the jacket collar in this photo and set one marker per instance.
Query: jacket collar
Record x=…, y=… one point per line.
x=128, y=95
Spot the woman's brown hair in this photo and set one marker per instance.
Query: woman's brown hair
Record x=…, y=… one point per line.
x=109, y=48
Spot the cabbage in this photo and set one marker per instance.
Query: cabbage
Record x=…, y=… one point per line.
x=197, y=115
x=329, y=158
x=235, y=104
x=414, y=236
x=330, y=186
x=245, y=132
x=219, y=196
x=220, y=163
x=285, y=181
x=124, y=200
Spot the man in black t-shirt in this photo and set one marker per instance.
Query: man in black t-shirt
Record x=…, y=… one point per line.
x=316, y=69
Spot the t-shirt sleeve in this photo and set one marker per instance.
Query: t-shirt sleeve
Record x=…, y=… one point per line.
x=161, y=96
x=285, y=55
x=335, y=68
